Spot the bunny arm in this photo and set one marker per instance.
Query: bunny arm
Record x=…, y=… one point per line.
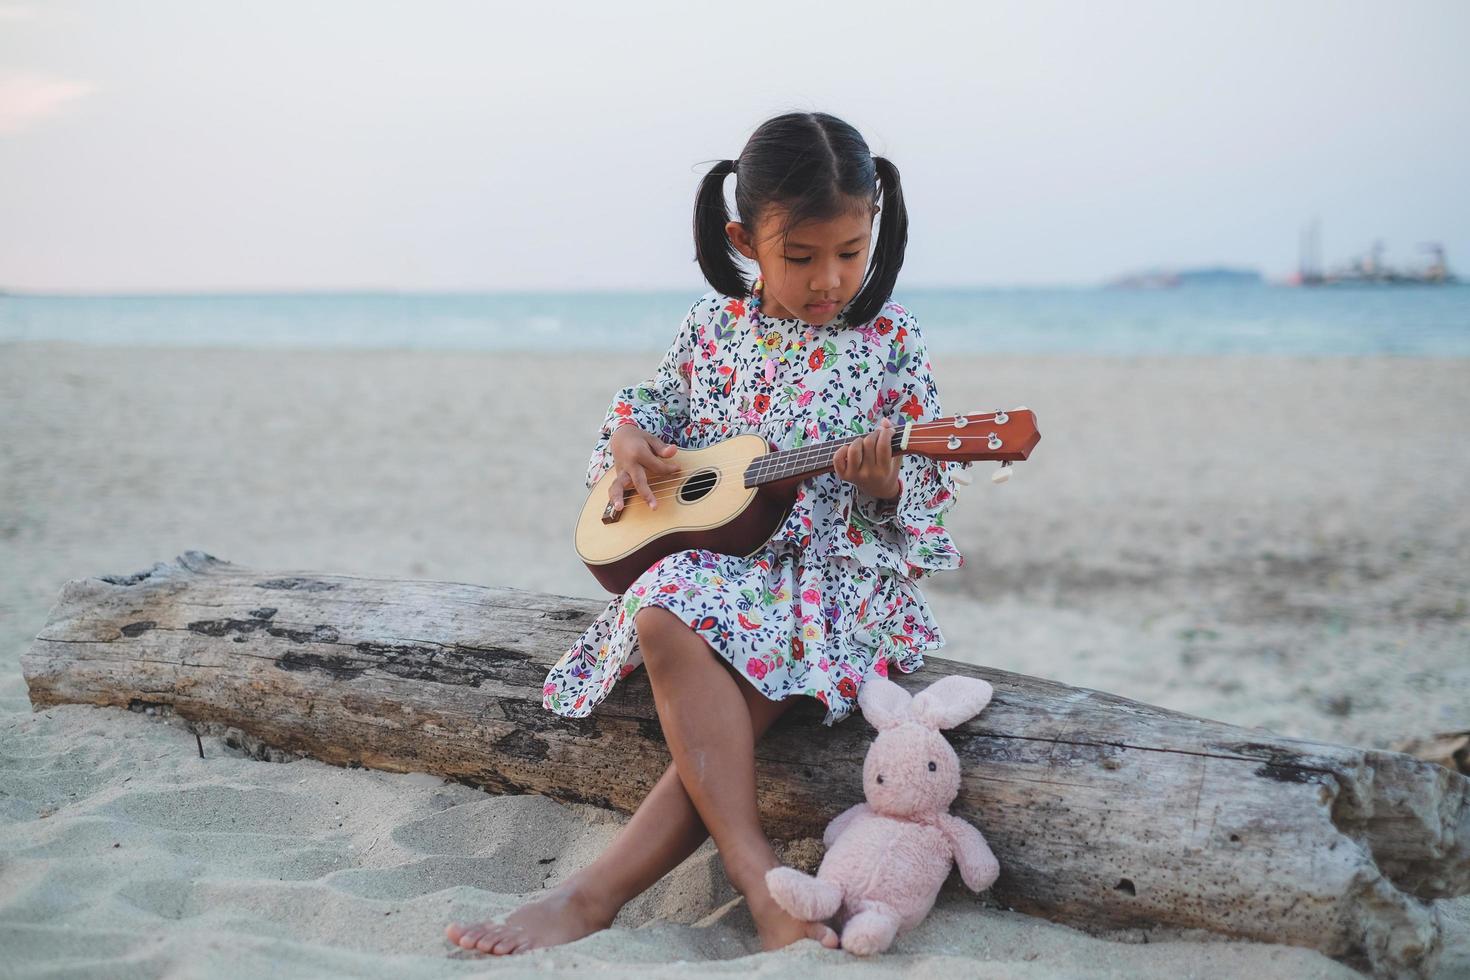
x=841, y=821
x=978, y=866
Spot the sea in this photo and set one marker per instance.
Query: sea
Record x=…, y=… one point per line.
x=1418, y=321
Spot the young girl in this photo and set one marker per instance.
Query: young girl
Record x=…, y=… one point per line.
x=814, y=350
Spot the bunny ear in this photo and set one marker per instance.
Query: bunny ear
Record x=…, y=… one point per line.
x=884, y=703
x=951, y=700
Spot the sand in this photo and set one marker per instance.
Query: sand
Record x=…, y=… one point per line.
x=1273, y=542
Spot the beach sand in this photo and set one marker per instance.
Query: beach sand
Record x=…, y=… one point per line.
x=1272, y=542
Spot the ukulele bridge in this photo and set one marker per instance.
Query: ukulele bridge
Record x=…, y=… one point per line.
x=610, y=514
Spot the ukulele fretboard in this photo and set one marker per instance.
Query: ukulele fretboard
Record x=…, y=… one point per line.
x=803, y=461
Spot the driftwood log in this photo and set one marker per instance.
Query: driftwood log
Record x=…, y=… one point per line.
x=1106, y=814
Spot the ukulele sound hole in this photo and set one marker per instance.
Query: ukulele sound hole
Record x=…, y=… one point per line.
x=699, y=485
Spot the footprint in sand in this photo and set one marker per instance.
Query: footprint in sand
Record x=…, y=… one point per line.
x=489, y=825
x=225, y=809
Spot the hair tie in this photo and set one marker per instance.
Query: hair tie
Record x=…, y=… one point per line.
x=734, y=164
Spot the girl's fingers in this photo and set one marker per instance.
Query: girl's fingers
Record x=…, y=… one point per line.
x=663, y=451
x=641, y=479
x=869, y=459
x=617, y=490
x=875, y=451
x=659, y=464
x=659, y=456
x=633, y=478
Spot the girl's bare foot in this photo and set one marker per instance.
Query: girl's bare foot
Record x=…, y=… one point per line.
x=560, y=916
x=776, y=926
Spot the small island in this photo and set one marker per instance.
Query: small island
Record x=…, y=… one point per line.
x=1174, y=278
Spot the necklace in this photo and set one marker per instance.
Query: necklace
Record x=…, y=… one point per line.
x=769, y=339
x=795, y=345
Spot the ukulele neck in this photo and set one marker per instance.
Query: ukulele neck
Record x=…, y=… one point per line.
x=804, y=461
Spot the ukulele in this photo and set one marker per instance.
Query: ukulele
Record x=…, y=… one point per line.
x=732, y=496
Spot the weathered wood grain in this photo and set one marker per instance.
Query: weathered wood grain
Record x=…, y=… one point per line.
x=1106, y=814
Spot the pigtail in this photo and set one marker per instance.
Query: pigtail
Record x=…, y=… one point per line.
x=893, y=236
x=712, y=246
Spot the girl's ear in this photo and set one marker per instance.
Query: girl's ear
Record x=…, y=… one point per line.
x=884, y=703
x=951, y=700
x=740, y=238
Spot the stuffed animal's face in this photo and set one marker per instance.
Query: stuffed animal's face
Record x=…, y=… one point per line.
x=910, y=770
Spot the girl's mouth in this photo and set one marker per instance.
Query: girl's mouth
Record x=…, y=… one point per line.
x=826, y=307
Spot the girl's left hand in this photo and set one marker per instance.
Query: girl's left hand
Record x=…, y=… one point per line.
x=869, y=464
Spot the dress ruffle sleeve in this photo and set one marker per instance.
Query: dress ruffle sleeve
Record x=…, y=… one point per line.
x=659, y=405
x=909, y=538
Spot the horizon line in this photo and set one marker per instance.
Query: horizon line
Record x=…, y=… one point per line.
x=167, y=292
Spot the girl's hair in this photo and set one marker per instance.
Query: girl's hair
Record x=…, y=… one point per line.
x=817, y=167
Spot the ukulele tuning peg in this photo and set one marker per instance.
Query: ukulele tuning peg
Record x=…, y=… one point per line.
x=1002, y=475
x=961, y=476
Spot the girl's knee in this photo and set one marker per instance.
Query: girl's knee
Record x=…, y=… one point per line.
x=658, y=631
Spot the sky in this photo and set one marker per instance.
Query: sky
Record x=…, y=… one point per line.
x=172, y=145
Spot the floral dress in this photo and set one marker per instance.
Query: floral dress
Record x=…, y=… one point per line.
x=833, y=595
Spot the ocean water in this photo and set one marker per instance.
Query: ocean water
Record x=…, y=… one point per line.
x=1404, y=320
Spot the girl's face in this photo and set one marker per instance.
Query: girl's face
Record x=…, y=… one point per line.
x=817, y=270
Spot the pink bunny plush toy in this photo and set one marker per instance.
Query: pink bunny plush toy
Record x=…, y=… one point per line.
x=887, y=858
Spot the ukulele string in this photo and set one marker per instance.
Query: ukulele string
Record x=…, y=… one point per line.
x=673, y=483
x=669, y=488
x=718, y=464
x=721, y=466
x=818, y=450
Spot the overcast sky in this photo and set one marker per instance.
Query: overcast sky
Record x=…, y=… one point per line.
x=442, y=145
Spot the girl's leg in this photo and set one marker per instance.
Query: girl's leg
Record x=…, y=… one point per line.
x=708, y=729
x=664, y=831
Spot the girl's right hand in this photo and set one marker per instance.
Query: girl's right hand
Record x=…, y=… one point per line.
x=637, y=457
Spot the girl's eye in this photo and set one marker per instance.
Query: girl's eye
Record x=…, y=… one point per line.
x=804, y=261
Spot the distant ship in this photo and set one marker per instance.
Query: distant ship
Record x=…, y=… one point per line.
x=1174, y=278
x=1368, y=269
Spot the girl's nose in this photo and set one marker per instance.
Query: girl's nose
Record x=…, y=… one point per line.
x=825, y=278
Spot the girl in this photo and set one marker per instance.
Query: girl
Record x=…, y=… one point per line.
x=814, y=350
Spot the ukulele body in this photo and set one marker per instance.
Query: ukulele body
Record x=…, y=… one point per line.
x=706, y=505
